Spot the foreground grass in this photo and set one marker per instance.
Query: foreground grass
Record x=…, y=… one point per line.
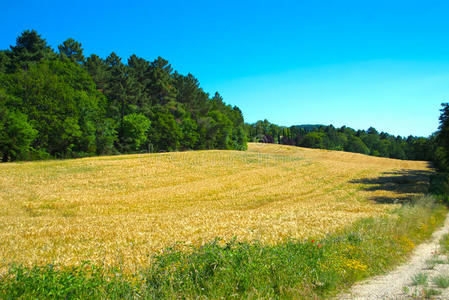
x=291, y=269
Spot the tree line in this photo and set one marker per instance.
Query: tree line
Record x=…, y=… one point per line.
x=60, y=104
x=434, y=148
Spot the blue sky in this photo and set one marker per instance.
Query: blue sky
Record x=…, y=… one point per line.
x=356, y=63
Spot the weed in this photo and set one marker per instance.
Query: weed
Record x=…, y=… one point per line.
x=420, y=279
x=432, y=262
x=428, y=293
x=405, y=290
x=444, y=244
x=441, y=281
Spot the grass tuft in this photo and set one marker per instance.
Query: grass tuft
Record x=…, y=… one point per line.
x=441, y=281
x=435, y=260
x=444, y=244
x=420, y=279
x=428, y=293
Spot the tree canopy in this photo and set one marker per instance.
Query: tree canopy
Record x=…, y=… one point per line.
x=442, y=138
x=65, y=105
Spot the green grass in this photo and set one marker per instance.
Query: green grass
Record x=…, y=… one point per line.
x=292, y=269
x=435, y=260
x=444, y=244
x=441, y=281
x=428, y=293
x=420, y=279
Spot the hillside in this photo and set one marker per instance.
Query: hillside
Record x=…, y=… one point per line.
x=328, y=137
x=120, y=209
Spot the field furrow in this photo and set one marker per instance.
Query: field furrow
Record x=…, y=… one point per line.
x=122, y=209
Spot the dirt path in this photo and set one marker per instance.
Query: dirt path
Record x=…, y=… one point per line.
x=426, y=263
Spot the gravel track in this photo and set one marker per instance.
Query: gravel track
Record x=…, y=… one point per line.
x=398, y=283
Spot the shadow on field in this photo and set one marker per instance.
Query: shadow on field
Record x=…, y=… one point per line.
x=403, y=183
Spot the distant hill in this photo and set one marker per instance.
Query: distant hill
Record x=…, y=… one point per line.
x=320, y=136
x=309, y=127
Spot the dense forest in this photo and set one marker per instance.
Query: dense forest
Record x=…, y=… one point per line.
x=61, y=104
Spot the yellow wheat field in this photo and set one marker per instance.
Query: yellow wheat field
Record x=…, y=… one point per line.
x=122, y=209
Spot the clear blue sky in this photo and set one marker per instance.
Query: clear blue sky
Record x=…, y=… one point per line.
x=356, y=63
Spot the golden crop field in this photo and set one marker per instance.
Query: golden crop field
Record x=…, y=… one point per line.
x=122, y=209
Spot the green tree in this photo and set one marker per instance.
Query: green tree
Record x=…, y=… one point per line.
x=98, y=70
x=165, y=133
x=139, y=74
x=371, y=139
x=443, y=137
x=116, y=88
x=219, y=131
x=16, y=135
x=72, y=50
x=356, y=145
x=133, y=132
x=190, y=134
x=61, y=102
x=422, y=148
x=188, y=89
x=161, y=87
x=5, y=61
x=70, y=135
x=396, y=149
x=313, y=139
x=30, y=48
x=106, y=136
